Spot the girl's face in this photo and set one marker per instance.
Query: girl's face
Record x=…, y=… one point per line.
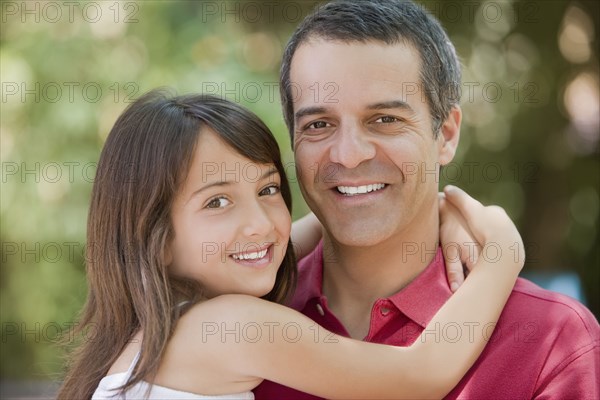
x=231, y=223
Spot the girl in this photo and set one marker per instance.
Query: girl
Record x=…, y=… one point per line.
x=190, y=223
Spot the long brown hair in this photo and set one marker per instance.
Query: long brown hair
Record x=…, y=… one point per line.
x=145, y=159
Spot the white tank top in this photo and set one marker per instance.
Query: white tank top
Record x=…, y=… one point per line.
x=107, y=390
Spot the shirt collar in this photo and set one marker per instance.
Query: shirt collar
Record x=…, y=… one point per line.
x=426, y=294
x=419, y=300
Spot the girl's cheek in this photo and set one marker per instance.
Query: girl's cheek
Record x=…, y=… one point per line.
x=284, y=222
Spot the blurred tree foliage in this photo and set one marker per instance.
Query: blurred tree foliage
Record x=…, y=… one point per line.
x=529, y=139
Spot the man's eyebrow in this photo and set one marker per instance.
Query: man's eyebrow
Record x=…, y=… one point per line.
x=268, y=173
x=385, y=105
x=303, y=112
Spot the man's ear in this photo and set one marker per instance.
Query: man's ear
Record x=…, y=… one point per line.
x=449, y=135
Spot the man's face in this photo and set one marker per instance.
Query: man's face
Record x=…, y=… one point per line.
x=366, y=156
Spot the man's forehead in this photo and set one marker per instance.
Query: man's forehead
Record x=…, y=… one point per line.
x=315, y=42
x=327, y=72
x=362, y=59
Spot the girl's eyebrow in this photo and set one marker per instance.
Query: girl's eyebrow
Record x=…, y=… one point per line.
x=268, y=173
x=271, y=171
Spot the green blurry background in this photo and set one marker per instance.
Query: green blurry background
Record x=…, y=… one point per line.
x=529, y=140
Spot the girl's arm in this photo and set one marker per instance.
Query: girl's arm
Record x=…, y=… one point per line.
x=306, y=233
x=255, y=338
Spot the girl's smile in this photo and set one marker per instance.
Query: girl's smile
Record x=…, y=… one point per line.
x=255, y=258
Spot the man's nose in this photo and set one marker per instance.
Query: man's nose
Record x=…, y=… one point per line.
x=351, y=147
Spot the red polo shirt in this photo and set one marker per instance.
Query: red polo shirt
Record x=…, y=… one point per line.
x=545, y=346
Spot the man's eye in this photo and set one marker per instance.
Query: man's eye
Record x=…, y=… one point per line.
x=318, y=125
x=387, y=119
x=269, y=190
x=218, y=202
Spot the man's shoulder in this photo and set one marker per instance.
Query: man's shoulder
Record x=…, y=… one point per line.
x=312, y=260
x=545, y=345
x=551, y=310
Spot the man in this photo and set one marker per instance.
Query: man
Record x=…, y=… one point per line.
x=368, y=148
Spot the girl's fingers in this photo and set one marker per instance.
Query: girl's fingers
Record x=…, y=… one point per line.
x=471, y=209
x=454, y=268
x=467, y=205
x=452, y=256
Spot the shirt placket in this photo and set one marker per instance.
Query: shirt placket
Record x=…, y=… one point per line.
x=381, y=313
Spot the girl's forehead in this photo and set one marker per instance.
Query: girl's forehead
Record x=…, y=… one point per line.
x=212, y=147
x=217, y=161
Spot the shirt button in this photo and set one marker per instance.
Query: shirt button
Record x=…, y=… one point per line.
x=384, y=311
x=320, y=310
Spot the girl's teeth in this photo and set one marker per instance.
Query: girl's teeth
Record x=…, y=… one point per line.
x=251, y=256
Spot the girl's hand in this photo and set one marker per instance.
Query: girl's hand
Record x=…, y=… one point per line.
x=460, y=216
x=490, y=226
x=459, y=246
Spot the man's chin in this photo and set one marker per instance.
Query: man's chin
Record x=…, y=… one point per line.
x=356, y=235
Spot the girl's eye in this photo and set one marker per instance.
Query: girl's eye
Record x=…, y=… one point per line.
x=269, y=190
x=218, y=202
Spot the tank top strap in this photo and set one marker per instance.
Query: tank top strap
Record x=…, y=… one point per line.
x=132, y=365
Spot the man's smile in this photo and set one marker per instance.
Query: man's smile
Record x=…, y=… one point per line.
x=362, y=189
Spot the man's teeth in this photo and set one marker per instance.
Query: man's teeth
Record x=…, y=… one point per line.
x=351, y=190
x=250, y=256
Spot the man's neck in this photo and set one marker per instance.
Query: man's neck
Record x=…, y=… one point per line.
x=355, y=277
